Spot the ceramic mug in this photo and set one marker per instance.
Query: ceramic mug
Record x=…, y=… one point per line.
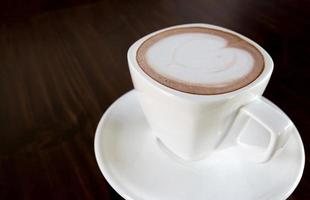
x=193, y=126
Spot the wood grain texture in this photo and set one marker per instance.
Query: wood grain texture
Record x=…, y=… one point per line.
x=61, y=69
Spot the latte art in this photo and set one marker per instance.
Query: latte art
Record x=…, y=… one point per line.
x=200, y=60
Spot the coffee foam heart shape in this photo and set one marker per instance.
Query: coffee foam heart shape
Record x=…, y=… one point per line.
x=200, y=60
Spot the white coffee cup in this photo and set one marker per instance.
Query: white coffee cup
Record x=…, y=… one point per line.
x=193, y=126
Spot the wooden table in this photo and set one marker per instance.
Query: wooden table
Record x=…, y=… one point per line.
x=61, y=68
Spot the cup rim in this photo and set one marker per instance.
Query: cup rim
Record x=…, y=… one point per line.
x=265, y=74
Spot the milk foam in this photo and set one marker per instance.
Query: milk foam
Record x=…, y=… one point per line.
x=199, y=58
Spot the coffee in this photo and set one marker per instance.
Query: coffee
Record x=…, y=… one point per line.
x=200, y=60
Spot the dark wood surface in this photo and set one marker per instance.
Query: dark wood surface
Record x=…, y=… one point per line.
x=61, y=67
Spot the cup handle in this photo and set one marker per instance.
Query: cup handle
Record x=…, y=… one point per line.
x=276, y=123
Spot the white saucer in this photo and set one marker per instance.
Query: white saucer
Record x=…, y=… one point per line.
x=135, y=165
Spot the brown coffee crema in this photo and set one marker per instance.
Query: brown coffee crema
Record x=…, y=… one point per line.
x=201, y=89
